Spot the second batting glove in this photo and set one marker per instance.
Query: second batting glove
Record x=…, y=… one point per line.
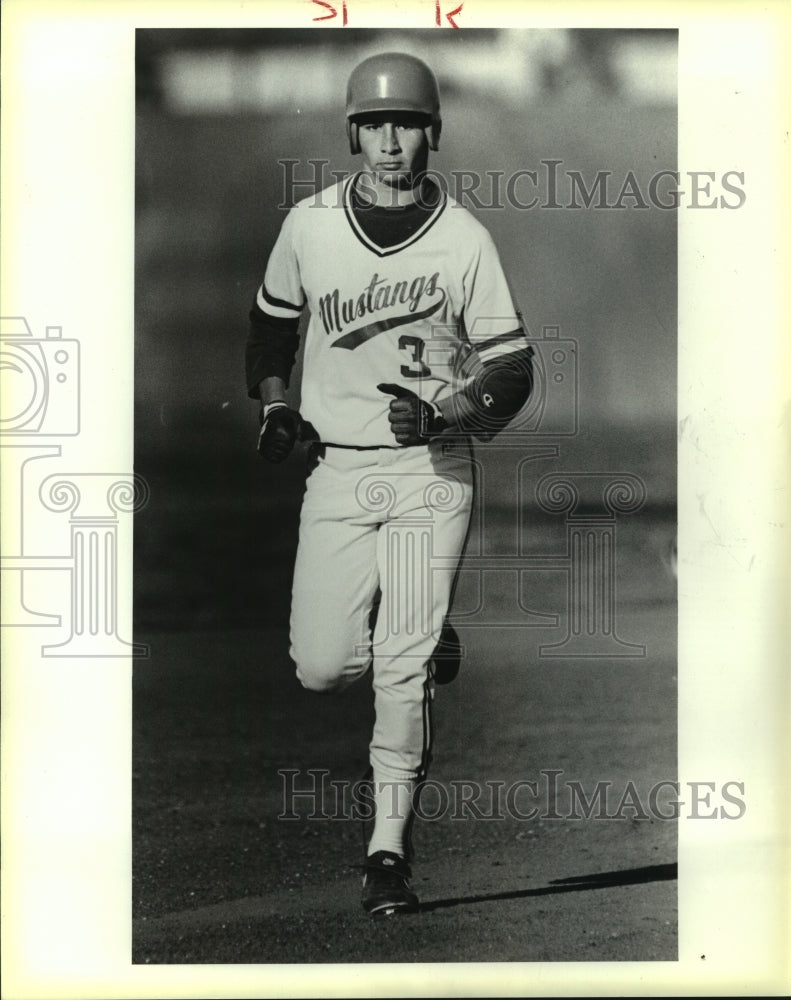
x=412, y=419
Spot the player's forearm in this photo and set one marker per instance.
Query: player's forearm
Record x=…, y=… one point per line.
x=461, y=413
x=271, y=389
x=457, y=410
x=496, y=394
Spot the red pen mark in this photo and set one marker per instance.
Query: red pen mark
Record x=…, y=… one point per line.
x=325, y=17
x=449, y=16
x=332, y=10
x=452, y=14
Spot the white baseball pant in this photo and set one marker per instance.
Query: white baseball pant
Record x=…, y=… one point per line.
x=376, y=519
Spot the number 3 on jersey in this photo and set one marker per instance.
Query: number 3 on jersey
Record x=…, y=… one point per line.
x=415, y=346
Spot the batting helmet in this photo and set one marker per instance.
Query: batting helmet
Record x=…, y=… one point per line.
x=392, y=81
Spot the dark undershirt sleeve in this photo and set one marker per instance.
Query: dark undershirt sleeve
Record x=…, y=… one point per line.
x=501, y=387
x=271, y=348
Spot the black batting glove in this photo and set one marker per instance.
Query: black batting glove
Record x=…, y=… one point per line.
x=281, y=428
x=412, y=419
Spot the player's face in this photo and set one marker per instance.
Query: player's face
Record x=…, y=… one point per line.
x=394, y=148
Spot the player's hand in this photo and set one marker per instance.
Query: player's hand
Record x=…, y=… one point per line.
x=412, y=420
x=281, y=428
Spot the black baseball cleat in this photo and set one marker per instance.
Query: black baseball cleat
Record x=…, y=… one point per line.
x=446, y=658
x=386, y=885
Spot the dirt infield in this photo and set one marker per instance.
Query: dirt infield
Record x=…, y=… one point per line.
x=218, y=878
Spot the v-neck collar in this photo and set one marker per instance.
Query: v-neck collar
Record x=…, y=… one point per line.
x=370, y=244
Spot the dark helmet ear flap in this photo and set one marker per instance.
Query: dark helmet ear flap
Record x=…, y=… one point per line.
x=353, y=132
x=433, y=133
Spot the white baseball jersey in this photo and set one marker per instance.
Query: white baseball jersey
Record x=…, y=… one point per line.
x=410, y=314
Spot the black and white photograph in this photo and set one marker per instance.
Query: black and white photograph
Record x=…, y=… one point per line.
x=405, y=368
x=394, y=441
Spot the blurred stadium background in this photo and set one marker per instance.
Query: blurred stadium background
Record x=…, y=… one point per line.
x=217, y=109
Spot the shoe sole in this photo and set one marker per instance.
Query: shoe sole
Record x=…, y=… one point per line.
x=389, y=909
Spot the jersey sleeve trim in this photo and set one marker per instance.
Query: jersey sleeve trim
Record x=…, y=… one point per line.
x=277, y=307
x=504, y=343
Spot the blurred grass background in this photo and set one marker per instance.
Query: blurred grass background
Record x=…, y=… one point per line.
x=217, y=110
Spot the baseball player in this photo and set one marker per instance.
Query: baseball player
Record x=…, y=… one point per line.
x=413, y=343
